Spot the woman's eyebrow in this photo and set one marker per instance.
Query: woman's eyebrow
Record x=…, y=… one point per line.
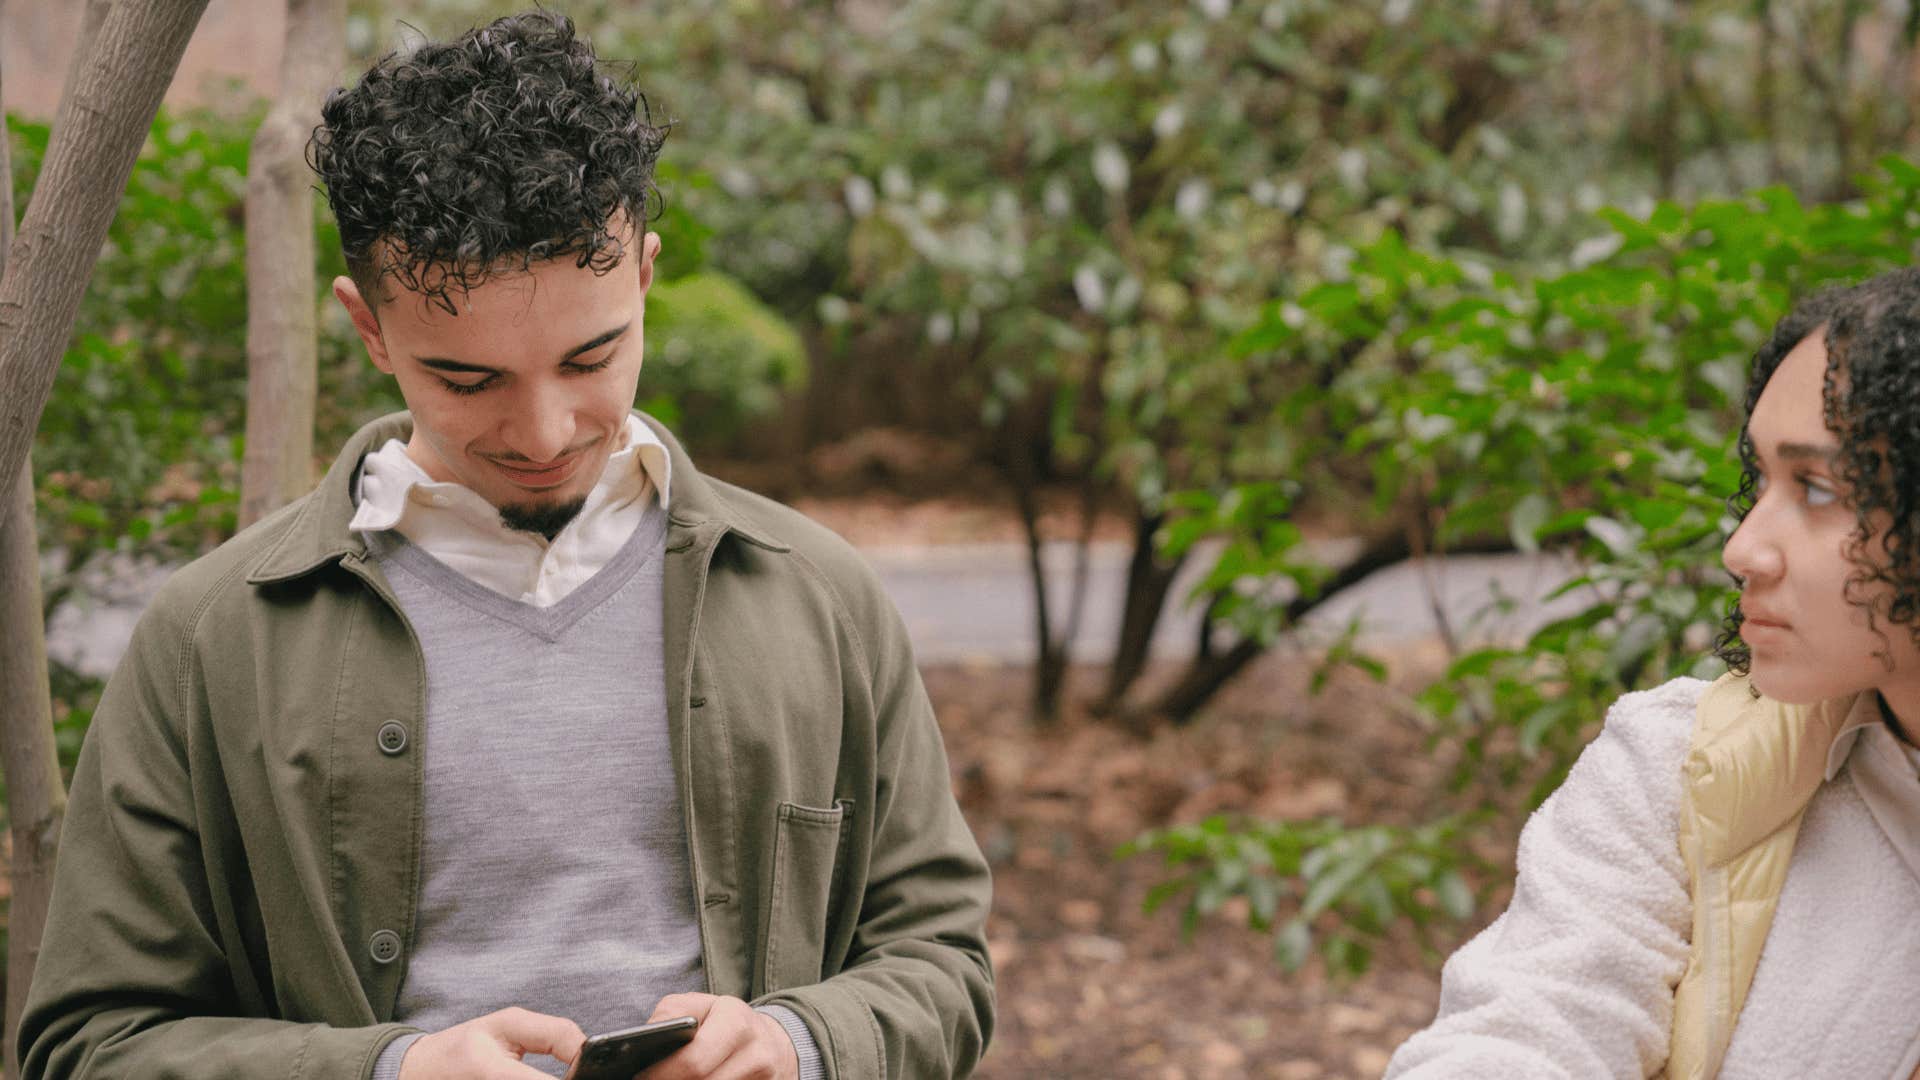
x=1799, y=451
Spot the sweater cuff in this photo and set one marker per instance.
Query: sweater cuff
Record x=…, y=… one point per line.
x=387, y=1065
x=811, y=1067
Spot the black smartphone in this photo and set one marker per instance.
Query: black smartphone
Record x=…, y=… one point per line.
x=617, y=1055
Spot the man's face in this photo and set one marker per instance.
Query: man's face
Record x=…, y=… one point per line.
x=1809, y=641
x=523, y=393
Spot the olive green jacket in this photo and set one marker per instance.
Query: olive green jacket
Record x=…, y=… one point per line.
x=237, y=878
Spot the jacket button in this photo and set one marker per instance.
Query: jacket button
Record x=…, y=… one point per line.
x=392, y=737
x=384, y=946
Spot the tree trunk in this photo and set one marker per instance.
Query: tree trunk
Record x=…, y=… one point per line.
x=1211, y=671
x=1049, y=663
x=282, y=350
x=97, y=132
x=1148, y=581
x=36, y=798
x=1764, y=93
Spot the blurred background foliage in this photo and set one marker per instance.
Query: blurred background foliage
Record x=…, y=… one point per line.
x=1456, y=275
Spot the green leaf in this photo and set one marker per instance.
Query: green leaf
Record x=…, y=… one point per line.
x=1456, y=898
x=1293, y=944
x=1526, y=519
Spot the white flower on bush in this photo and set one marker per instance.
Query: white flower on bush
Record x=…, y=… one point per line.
x=1512, y=217
x=1214, y=9
x=858, y=191
x=940, y=328
x=1169, y=120
x=1351, y=164
x=1191, y=200
x=1144, y=56
x=1057, y=198
x=1595, y=249
x=1092, y=291
x=895, y=182
x=999, y=93
x=1187, y=45
x=1110, y=167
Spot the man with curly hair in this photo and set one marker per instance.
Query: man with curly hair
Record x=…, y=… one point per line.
x=518, y=727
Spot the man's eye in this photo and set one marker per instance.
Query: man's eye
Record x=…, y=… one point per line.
x=583, y=369
x=467, y=388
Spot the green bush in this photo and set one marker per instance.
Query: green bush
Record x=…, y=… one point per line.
x=1591, y=408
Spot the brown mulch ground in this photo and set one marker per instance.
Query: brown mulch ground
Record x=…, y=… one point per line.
x=1091, y=986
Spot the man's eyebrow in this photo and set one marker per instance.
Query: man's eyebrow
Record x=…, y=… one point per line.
x=459, y=367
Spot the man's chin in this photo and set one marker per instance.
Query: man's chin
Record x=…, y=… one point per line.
x=544, y=518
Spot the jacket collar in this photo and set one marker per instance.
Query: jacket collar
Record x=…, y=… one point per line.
x=1755, y=762
x=318, y=535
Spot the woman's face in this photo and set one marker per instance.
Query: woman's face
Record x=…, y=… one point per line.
x=1808, y=641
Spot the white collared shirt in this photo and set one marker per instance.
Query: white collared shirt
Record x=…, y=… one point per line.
x=455, y=525
x=1886, y=772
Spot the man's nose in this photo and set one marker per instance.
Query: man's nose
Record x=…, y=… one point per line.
x=542, y=426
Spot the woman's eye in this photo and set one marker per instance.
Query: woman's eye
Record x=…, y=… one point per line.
x=1818, y=494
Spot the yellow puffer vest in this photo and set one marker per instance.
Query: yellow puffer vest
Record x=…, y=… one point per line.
x=1753, y=766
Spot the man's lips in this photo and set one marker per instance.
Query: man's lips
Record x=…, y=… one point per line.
x=545, y=476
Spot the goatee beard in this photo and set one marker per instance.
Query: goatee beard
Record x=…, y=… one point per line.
x=546, y=519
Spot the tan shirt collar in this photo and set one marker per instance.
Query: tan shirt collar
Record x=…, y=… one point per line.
x=1885, y=771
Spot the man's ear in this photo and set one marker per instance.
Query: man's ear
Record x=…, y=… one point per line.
x=649, y=251
x=365, y=322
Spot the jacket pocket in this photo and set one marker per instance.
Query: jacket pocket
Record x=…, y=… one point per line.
x=806, y=847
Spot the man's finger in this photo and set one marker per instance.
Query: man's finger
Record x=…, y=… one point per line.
x=526, y=1032
x=694, y=1005
x=723, y=1031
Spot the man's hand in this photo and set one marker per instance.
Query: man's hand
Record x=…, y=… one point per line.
x=490, y=1047
x=733, y=1042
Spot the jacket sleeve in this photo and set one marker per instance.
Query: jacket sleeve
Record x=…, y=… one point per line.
x=132, y=980
x=915, y=998
x=1576, y=978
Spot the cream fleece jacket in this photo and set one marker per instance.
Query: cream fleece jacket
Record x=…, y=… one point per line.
x=1576, y=978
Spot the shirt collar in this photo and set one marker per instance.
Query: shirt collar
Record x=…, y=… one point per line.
x=391, y=480
x=1864, y=714
x=312, y=533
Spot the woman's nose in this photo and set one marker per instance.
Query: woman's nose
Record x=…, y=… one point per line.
x=1750, y=553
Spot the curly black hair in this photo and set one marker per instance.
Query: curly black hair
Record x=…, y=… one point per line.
x=508, y=145
x=1871, y=403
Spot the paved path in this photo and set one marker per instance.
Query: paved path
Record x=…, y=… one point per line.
x=965, y=602
x=976, y=601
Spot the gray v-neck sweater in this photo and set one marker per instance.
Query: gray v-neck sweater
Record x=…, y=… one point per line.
x=555, y=871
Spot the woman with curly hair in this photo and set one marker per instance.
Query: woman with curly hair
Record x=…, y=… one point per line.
x=1725, y=884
